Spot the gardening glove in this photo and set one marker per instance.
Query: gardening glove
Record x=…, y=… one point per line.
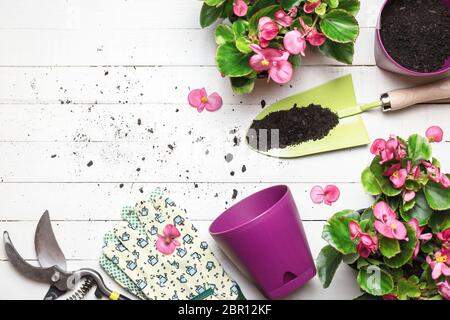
x=157, y=254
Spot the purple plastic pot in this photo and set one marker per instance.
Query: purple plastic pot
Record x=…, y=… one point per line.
x=264, y=237
x=385, y=61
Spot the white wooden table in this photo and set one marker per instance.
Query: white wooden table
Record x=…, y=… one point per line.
x=107, y=80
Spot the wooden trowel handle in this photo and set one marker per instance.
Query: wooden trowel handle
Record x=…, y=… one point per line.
x=399, y=99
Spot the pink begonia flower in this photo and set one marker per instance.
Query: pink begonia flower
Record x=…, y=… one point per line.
x=408, y=195
x=198, y=98
x=328, y=195
x=294, y=42
x=439, y=265
x=397, y=175
x=267, y=29
x=282, y=18
x=366, y=244
x=240, y=8
x=314, y=37
x=272, y=60
x=444, y=289
x=293, y=12
x=434, y=134
x=435, y=174
x=388, y=150
x=377, y=146
x=420, y=236
x=416, y=172
x=309, y=7
x=387, y=223
x=444, y=181
x=167, y=242
x=444, y=235
x=390, y=296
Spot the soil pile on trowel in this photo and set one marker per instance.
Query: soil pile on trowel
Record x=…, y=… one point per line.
x=296, y=125
x=416, y=33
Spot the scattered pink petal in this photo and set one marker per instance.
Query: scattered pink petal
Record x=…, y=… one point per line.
x=434, y=134
x=328, y=195
x=332, y=194
x=198, y=98
x=317, y=194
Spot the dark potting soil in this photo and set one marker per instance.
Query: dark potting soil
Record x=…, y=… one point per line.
x=416, y=33
x=296, y=125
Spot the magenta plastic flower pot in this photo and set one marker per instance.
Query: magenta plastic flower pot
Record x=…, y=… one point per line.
x=264, y=237
x=386, y=62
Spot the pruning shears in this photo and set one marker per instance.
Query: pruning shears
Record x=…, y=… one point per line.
x=52, y=268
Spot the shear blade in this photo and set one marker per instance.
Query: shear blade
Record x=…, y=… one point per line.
x=47, y=249
x=34, y=273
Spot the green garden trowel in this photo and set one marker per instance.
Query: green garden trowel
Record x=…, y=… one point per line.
x=339, y=96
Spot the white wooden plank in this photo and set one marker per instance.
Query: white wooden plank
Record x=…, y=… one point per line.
x=177, y=47
x=157, y=123
x=188, y=162
x=196, y=157
x=121, y=14
x=170, y=85
x=104, y=201
x=26, y=289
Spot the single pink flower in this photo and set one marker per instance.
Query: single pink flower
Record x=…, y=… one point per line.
x=282, y=18
x=398, y=178
x=316, y=38
x=408, y=195
x=434, y=173
x=328, y=195
x=294, y=42
x=416, y=172
x=355, y=230
x=397, y=175
x=167, y=242
x=366, y=244
x=240, y=8
x=444, y=289
x=420, y=236
x=434, y=134
x=377, y=146
x=309, y=7
x=293, y=12
x=439, y=265
x=390, y=296
x=444, y=235
x=272, y=60
x=198, y=98
x=267, y=28
x=387, y=223
x=444, y=181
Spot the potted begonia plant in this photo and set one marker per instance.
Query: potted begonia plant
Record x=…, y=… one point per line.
x=400, y=245
x=268, y=38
